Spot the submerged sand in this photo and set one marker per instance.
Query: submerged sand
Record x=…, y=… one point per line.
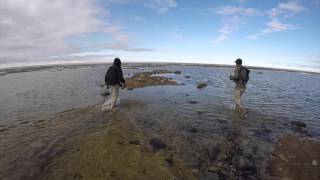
x=121, y=151
x=296, y=158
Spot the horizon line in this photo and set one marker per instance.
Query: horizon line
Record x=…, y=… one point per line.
x=82, y=63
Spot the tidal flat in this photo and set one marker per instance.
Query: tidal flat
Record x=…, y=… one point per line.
x=165, y=127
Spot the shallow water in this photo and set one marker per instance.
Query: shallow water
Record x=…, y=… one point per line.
x=31, y=137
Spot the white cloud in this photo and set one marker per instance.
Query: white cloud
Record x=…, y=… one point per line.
x=277, y=14
x=161, y=6
x=285, y=10
x=228, y=10
x=235, y=10
x=39, y=28
x=126, y=47
x=273, y=26
x=276, y=26
x=117, y=33
x=293, y=6
x=234, y=18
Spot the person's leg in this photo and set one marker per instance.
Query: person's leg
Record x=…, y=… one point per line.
x=237, y=97
x=114, y=95
x=106, y=106
x=242, y=110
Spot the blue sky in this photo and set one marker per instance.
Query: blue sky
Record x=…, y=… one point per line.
x=271, y=33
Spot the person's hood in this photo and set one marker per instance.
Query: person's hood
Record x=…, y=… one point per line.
x=117, y=62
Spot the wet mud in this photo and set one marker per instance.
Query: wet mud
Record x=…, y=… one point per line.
x=144, y=79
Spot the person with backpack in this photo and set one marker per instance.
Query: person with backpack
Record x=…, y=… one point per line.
x=113, y=78
x=241, y=78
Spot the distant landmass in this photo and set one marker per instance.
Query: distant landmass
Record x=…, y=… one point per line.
x=20, y=69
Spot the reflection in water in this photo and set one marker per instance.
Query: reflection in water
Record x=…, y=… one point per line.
x=199, y=127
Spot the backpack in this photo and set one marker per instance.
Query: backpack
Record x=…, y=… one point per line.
x=111, y=76
x=244, y=74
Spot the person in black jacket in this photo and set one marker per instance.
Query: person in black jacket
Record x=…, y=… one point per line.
x=114, y=75
x=113, y=78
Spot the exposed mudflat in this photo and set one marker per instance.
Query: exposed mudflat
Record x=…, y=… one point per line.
x=144, y=79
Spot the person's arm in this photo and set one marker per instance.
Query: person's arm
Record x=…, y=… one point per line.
x=236, y=74
x=121, y=76
x=106, y=76
x=106, y=79
x=121, y=81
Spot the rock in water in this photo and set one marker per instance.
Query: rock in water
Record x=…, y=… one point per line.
x=193, y=130
x=101, y=85
x=169, y=161
x=213, y=152
x=201, y=85
x=314, y=163
x=247, y=166
x=193, y=102
x=298, y=124
x=105, y=92
x=299, y=127
x=157, y=144
x=134, y=142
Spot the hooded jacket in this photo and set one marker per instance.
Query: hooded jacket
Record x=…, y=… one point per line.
x=114, y=74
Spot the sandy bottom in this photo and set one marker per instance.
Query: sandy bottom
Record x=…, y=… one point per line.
x=296, y=158
x=121, y=151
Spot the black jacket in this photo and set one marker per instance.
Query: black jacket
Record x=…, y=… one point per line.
x=114, y=75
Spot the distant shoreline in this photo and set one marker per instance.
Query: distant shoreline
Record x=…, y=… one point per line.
x=30, y=68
